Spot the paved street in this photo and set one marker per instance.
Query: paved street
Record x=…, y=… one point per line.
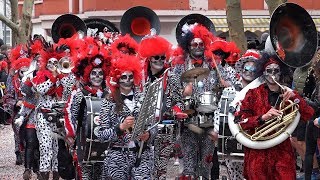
x=10, y=171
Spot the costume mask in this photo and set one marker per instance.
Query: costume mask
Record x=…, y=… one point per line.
x=96, y=77
x=21, y=71
x=52, y=64
x=126, y=80
x=248, y=71
x=272, y=70
x=157, y=62
x=196, y=48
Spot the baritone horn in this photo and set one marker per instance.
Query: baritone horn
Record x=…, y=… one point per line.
x=67, y=25
x=293, y=38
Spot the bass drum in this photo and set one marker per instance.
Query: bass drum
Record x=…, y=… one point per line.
x=89, y=148
x=227, y=143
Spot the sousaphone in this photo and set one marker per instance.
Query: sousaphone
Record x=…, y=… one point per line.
x=138, y=21
x=293, y=38
x=66, y=25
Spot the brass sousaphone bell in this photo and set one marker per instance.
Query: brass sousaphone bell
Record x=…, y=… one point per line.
x=293, y=35
x=66, y=25
x=138, y=21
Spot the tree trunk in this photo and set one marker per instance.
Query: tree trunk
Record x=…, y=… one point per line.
x=273, y=4
x=25, y=22
x=14, y=19
x=235, y=24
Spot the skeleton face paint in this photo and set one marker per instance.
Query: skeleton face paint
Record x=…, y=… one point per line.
x=21, y=71
x=52, y=64
x=196, y=48
x=272, y=70
x=157, y=62
x=96, y=77
x=248, y=71
x=126, y=80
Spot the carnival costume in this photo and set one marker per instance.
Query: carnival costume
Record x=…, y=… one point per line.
x=121, y=158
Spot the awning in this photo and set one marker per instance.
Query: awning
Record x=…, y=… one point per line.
x=251, y=24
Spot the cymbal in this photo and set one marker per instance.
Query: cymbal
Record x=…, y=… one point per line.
x=189, y=111
x=197, y=73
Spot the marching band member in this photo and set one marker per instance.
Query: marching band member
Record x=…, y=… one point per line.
x=124, y=44
x=118, y=113
x=259, y=105
x=13, y=96
x=155, y=52
x=28, y=111
x=91, y=71
x=45, y=83
x=194, y=42
x=246, y=68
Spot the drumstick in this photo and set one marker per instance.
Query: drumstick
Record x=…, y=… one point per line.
x=218, y=71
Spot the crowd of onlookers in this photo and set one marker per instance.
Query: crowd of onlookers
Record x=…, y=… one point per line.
x=4, y=116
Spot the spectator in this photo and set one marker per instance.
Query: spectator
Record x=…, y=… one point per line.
x=263, y=39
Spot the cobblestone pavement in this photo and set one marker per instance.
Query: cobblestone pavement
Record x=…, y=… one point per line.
x=10, y=171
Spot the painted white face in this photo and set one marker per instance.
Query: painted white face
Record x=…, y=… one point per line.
x=272, y=70
x=96, y=77
x=21, y=71
x=196, y=48
x=248, y=71
x=126, y=80
x=157, y=62
x=52, y=64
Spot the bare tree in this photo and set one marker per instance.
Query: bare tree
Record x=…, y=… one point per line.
x=235, y=24
x=21, y=30
x=273, y=4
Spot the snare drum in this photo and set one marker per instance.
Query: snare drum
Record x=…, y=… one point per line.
x=89, y=148
x=207, y=102
x=227, y=143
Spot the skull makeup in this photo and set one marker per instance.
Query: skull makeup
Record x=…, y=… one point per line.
x=22, y=71
x=272, y=70
x=157, y=62
x=52, y=64
x=96, y=77
x=126, y=80
x=196, y=48
x=248, y=71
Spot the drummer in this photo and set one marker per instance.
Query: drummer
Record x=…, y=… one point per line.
x=91, y=72
x=197, y=143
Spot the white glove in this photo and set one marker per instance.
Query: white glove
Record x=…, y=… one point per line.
x=19, y=121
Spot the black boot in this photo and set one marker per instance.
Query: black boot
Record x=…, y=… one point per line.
x=43, y=176
x=18, y=158
x=27, y=174
x=55, y=175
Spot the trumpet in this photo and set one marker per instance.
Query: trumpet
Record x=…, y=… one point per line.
x=65, y=65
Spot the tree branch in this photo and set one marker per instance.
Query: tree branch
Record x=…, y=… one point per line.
x=9, y=23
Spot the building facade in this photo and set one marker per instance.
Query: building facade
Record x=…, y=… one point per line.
x=5, y=31
x=255, y=13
